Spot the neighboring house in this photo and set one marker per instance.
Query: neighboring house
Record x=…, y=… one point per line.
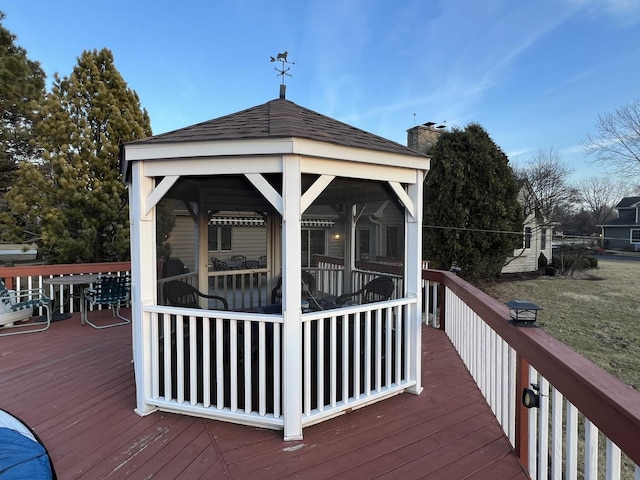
x=245, y=233
x=323, y=233
x=623, y=233
x=537, y=234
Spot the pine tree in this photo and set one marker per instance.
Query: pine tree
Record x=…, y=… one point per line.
x=77, y=197
x=21, y=93
x=470, y=200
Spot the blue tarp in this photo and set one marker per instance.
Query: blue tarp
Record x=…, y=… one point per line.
x=22, y=457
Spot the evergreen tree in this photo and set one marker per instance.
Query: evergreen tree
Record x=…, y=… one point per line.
x=21, y=94
x=470, y=201
x=77, y=197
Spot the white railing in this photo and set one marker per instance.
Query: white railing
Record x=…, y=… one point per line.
x=243, y=289
x=216, y=364
x=227, y=365
x=354, y=356
x=563, y=443
x=558, y=439
x=489, y=359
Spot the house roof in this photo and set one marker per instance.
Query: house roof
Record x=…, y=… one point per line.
x=279, y=118
x=628, y=202
x=626, y=218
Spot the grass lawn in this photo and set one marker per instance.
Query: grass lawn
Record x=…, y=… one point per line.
x=597, y=314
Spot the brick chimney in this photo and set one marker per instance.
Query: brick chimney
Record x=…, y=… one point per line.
x=422, y=137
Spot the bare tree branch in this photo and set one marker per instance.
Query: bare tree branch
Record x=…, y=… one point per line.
x=548, y=177
x=617, y=141
x=600, y=195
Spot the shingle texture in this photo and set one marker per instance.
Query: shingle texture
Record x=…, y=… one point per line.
x=279, y=118
x=627, y=202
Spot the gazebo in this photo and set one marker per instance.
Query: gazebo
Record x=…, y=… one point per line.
x=310, y=357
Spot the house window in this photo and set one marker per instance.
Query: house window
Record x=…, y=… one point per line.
x=635, y=235
x=543, y=239
x=219, y=238
x=527, y=237
x=314, y=242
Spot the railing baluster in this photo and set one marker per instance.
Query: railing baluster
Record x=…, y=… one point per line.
x=533, y=431
x=320, y=362
x=543, y=430
x=233, y=353
x=613, y=461
x=557, y=402
x=306, y=329
x=590, y=450
x=155, y=356
x=206, y=363
x=334, y=359
x=167, y=355
x=277, y=379
x=220, y=374
x=262, y=368
x=193, y=361
x=571, y=455
x=247, y=365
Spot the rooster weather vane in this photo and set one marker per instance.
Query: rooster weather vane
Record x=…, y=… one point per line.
x=283, y=70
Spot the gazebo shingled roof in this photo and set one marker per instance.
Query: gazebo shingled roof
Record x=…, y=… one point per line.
x=279, y=118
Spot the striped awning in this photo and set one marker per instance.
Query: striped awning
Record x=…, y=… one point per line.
x=317, y=222
x=259, y=222
x=238, y=221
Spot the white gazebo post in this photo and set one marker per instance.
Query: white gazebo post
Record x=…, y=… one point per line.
x=144, y=274
x=202, y=252
x=291, y=297
x=413, y=276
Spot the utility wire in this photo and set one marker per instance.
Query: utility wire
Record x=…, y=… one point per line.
x=520, y=233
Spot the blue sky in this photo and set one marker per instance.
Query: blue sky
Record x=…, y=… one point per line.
x=534, y=74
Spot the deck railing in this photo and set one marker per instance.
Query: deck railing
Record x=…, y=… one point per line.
x=581, y=405
x=587, y=425
x=64, y=298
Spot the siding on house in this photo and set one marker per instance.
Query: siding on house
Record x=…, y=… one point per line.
x=182, y=240
x=525, y=258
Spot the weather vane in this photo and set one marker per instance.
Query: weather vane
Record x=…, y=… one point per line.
x=283, y=70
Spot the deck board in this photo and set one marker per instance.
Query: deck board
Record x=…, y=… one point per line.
x=75, y=386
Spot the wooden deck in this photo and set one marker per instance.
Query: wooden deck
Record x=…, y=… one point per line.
x=75, y=386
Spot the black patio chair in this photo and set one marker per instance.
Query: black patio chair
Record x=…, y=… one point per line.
x=377, y=290
x=219, y=265
x=308, y=285
x=181, y=294
x=250, y=264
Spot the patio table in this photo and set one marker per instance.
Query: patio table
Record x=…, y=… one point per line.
x=75, y=281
